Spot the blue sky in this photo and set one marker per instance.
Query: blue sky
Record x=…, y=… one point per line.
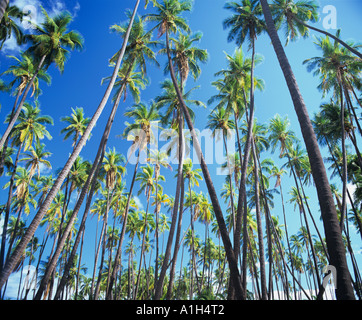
x=80, y=85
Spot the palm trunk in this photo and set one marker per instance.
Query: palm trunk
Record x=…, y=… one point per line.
x=329, y=215
x=158, y=291
x=142, y=245
x=331, y=36
x=3, y=152
x=18, y=110
x=242, y=215
x=234, y=272
x=9, y=267
x=344, y=154
x=105, y=226
x=177, y=244
x=92, y=178
x=7, y=210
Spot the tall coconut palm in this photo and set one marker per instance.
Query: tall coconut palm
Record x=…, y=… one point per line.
x=334, y=67
x=245, y=24
x=140, y=131
x=57, y=184
x=296, y=15
x=329, y=214
x=148, y=186
x=77, y=124
x=35, y=158
x=168, y=19
x=22, y=73
x=158, y=159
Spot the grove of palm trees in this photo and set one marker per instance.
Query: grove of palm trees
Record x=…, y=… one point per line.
x=180, y=150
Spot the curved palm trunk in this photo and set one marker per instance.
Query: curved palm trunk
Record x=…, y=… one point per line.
x=329, y=215
x=10, y=265
x=234, y=272
x=331, y=36
x=3, y=6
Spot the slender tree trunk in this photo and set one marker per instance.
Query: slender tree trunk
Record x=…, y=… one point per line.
x=158, y=291
x=344, y=154
x=264, y=293
x=241, y=216
x=9, y=267
x=177, y=243
x=3, y=152
x=3, y=6
x=332, y=229
x=234, y=272
x=91, y=179
x=331, y=36
x=142, y=245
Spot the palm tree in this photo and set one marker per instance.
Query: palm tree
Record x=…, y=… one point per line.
x=245, y=23
x=329, y=214
x=158, y=159
x=32, y=126
x=22, y=72
x=140, y=131
x=148, y=186
x=168, y=19
x=9, y=26
x=186, y=57
x=35, y=158
x=3, y=6
x=77, y=124
x=57, y=184
x=334, y=67
x=295, y=15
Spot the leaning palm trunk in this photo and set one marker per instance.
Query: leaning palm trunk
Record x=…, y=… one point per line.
x=91, y=181
x=332, y=36
x=10, y=265
x=329, y=215
x=234, y=272
x=159, y=285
